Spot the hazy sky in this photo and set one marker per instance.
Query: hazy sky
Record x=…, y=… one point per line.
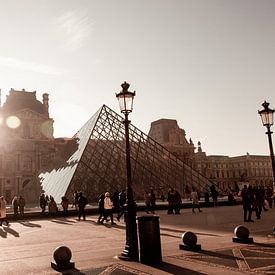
x=207, y=63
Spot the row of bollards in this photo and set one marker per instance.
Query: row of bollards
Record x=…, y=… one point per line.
x=62, y=255
x=149, y=245
x=189, y=239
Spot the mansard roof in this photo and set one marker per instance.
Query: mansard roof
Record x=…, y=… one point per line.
x=19, y=100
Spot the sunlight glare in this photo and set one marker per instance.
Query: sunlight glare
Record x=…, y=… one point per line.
x=13, y=122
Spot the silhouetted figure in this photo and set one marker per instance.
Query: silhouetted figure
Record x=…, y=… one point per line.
x=65, y=205
x=15, y=205
x=122, y=202
x=82, y=202
x=43, y=202
x=52, y=206
x=258, y=201
x=269, y=196
x=214, y=194
x=21, y=203
x=171, y=201
x=100, y=207
x=177, y=202
x=247, y=197
x=195, y=200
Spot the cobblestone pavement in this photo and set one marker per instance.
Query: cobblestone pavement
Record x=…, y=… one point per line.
x=27, y=246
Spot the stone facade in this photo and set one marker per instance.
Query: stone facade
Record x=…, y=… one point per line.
x=172, y=137
x=227, y=172
x=27, y=144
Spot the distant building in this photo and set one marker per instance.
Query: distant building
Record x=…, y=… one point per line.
x=227, y=172
x=27, y=144
x=172, y=137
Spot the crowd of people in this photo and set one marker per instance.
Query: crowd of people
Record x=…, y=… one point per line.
x=254, y=198
x=108, y=205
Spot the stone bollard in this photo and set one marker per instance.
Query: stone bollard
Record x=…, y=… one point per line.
x=62, y=256
x=189, y=242
x=242, y=235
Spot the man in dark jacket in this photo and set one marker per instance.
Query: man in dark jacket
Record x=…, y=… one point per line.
x=247, y=196
x=82, y=202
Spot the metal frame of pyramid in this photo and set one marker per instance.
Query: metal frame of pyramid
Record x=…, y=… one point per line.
x=98, y=163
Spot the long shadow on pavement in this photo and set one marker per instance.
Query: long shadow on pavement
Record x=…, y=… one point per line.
x=29, y=224
x=175, y=269
x=11, y=231
x=76, y=271
x=62, y=222
x=182, y=231
x=3, y=233
x=107, y=224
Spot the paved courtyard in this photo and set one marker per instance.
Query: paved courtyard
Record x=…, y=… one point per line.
x=27, y=246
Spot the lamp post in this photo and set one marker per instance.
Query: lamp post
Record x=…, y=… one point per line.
x=125, y=99
x=267, y=120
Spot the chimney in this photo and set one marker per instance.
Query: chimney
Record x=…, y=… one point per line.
x=46, y=103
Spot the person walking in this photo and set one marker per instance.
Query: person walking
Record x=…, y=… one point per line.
x=108, y=208
x=214, y=194
x=42, y=202
x=15, y=205
x=3, y=213
x=171, y=200
x=65, y=205
x=122, y=201
x=177, y=202
x=247, y=199
x=258, y=197
x=101, y=207
x=82, y=202
x=21, y=203
x=52, y=206
x=195, y=200
x=269, y=196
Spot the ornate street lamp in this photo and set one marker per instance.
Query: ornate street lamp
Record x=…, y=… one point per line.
x=267, y=120
x=125, y=99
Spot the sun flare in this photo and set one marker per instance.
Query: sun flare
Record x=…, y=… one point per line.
x=13, y=122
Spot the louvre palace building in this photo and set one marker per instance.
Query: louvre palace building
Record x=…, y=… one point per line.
x=94, y=159
x=226, y=172
x=27, y=145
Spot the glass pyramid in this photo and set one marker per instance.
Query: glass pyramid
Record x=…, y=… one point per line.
x=98, y=163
